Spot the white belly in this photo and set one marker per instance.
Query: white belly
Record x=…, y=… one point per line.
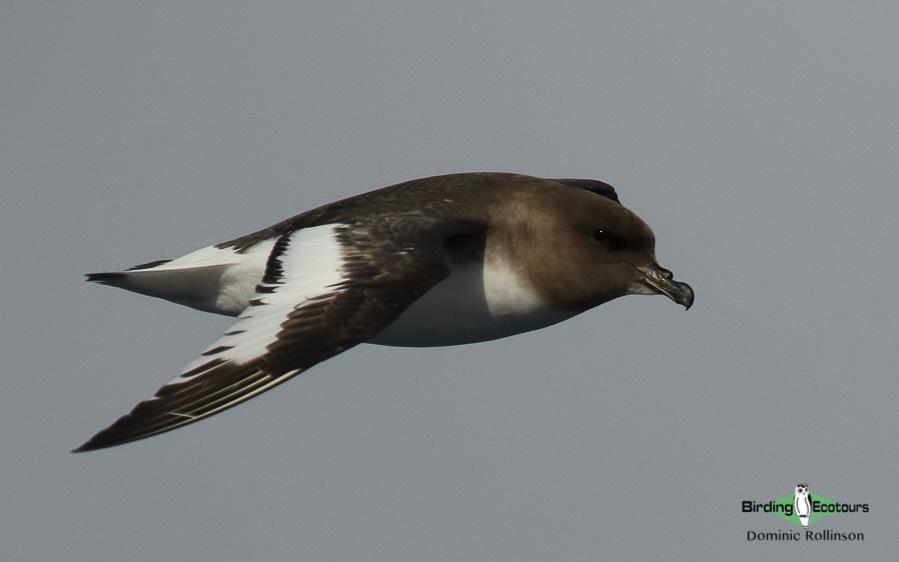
x=473, y=304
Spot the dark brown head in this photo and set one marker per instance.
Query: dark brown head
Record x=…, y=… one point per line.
x=592, y=249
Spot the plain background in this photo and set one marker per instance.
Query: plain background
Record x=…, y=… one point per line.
x=758, y=139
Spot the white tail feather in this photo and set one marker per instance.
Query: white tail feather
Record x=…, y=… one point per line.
x=211, y=279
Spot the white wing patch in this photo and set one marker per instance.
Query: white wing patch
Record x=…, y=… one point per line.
x=310, y=266
x=322, y=291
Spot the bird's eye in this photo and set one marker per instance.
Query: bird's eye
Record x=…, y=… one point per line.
x=601, y=234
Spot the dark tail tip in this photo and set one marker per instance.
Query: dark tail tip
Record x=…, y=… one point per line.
x=104, y=278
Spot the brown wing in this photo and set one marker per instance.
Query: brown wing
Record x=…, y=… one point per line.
x=325, y=290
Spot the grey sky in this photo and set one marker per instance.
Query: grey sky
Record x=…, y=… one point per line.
x=759, y=140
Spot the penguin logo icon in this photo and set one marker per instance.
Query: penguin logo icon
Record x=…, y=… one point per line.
x=802, y=503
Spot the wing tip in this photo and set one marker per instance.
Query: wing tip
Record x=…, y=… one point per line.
x=123, y=430
x=598, y=187
x=89, y=446
x=101, y=440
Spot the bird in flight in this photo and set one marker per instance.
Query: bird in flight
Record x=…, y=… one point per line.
x=445, y=260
